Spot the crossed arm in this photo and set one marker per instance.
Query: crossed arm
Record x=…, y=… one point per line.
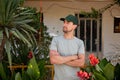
x=73, y=60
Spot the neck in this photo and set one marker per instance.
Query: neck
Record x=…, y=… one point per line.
x=68, y=36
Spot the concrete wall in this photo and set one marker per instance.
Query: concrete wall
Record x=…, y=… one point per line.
x=55, y=10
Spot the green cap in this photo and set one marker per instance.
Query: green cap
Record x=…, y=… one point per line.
x=70, y=18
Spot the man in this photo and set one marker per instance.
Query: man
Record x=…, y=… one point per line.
x=67, y=52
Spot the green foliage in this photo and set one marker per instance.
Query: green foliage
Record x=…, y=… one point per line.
x=93, y=14
x=104, y=70
x=2, y=72
x=14, y=25
x=19, y=52
x=103, y=63
x=33, y=70
x=117, y=72
x=19, y=26
x=97, y=13
x=98, y=76
x=18, y=76
x=41, y=66
x=109, y=71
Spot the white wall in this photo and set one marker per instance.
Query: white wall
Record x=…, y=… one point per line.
x=55, y=10
x=110, y=39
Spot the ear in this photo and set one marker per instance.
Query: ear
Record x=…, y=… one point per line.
x=75, y=26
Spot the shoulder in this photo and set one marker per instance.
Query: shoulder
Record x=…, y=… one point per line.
x=57, y=38
x=78, y=40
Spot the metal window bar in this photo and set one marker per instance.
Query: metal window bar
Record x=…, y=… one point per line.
x=78, y=28
x=85, y=38
x=91, y=30
x=91, y=35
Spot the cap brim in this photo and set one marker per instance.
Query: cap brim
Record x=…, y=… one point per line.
x=62, y=19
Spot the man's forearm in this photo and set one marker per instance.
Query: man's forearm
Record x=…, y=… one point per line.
x=55, y=58
x=79, y=62
x=76, y=63
x=62, y=59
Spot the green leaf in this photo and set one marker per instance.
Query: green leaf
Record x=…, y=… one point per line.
x=23, y=21
x=98, y=68
x=117, y=71
x=33, y=70
x=109, y=71
x=29, y=27
x=7, y=32
x=33, y=36
x=2, y=11
x=98, y=76
x=15, y=34
x=23, y=38
x=8, y=48
x=2, y=72
x=18, y=76
x=28, y=35
x=103, y=63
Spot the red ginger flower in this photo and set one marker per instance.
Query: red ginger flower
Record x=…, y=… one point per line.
x=83, y=75
x=93, y=60
x=30, y=55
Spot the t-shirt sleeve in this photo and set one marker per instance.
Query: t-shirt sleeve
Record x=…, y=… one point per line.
x=53, y=45
x=81, y=48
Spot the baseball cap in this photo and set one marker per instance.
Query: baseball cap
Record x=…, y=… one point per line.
x=70, y=18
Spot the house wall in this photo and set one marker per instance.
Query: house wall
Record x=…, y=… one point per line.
x=111, y=40
x=53, y=11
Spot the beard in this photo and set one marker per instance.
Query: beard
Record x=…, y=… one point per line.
x=67, y=31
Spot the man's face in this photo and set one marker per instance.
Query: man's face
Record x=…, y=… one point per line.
x=68, y=27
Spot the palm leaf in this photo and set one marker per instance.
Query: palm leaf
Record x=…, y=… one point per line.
x=28, y=35
x=2, y=11
x=8, y=48
x=23, y=38
x=28, y=27
x=7, y=32
x=15, y=34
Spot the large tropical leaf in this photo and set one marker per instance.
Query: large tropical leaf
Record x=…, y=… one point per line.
x=18, y=76
x=98, y=76
x=103, y=63
x=33, y=70
x=109, y=71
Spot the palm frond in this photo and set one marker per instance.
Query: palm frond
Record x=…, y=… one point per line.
x=23, y=38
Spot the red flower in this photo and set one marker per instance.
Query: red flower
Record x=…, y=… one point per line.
x=83, y=75
x=93, y=60
x=30, y=55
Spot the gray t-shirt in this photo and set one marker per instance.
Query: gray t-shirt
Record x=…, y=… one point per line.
x=66, y=47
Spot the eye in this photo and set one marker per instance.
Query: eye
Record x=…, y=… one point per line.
x=66, y=22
